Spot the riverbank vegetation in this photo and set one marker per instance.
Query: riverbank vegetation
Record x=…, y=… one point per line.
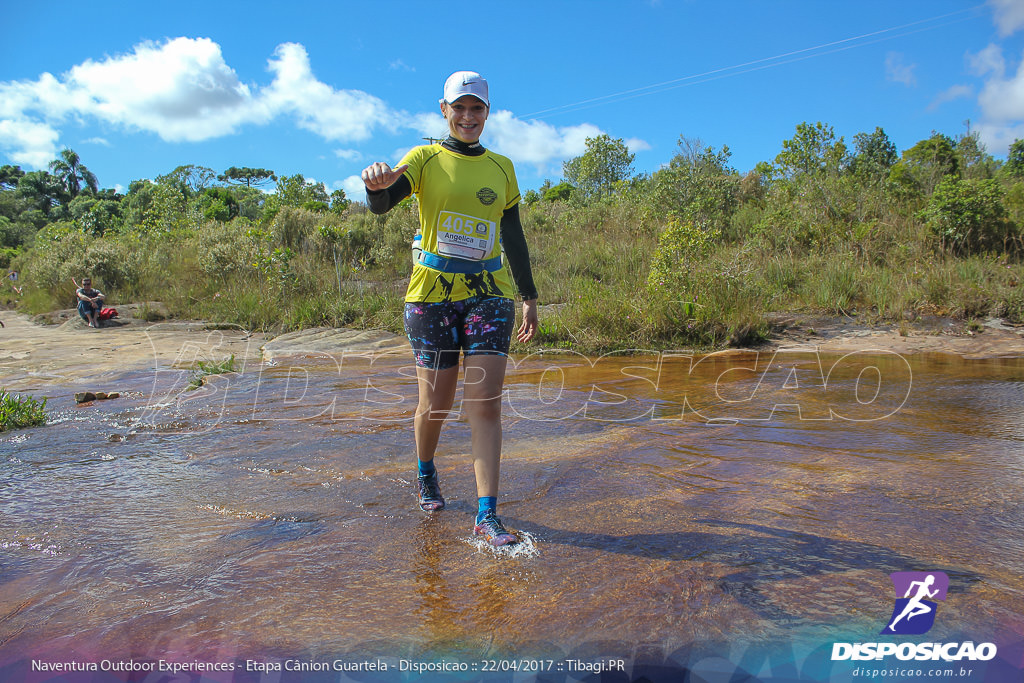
x=18, y=412
x=696, y=254
x=204, y=369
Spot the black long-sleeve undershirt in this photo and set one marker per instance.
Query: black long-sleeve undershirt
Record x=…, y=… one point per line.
x=513, y=240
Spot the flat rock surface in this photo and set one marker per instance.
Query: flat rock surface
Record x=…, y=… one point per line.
x=59, y=347
x=34, y=353
x=332, y=341
x=992, y=338
x=67, y=350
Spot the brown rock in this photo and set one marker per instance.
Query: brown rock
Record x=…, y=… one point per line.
x=86, y=396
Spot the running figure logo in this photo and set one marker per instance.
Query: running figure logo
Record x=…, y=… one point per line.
x=914, y=612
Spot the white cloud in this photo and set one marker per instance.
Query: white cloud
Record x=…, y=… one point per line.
x=537, y=142
x=182, y=90
x=428, y=124
x=1001, y=100
x=637, y=145
x=955, y=92
x=331, y=114
x=1009, y=15
x=31, y=143
x=348, y=154
x=46, y=96
x=997, y=137
x=354, y=188
x=989, y=60
x=897, y=71
x=97, y=141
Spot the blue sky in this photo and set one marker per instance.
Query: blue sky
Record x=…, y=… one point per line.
x=325, y=88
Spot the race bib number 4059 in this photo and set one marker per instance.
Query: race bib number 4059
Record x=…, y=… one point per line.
x=465, y=237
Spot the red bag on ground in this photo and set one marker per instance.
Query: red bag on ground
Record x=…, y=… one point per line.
x=107, y=313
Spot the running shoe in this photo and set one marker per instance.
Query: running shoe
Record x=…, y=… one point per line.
x=429, y=492
x=493, y=531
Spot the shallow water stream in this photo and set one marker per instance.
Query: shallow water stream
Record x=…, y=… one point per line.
x=669, y=504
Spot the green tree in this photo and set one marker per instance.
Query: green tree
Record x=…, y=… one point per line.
x=218, y=204
x=926, y=163
x=813, y=150
x=874, y=154
x=339, y=201
x=250, y=177
x=43, y=191
x=96, y=213
x=973, y=159
x=296, y=191
x=698, y=186
x=557, y=193
x=9, y=176
x=162, y=207
x=71, y=173
x=968, y=215
x=605, y=163
x=195, y=178
x=251, y=202
x=138, y=203
x=19, y=222
x=809, y=181
x=1015, y=159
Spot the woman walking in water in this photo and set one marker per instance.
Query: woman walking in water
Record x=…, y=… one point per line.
x=470, y=257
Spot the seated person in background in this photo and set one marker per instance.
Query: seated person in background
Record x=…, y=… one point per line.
x=90, y=302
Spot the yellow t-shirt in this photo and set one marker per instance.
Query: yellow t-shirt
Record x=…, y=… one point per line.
x=461, y=200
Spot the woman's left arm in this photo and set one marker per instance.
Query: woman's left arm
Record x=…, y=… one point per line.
x=518, y=253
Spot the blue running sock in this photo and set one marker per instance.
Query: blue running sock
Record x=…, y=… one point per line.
x=426, y=467
x=486, y=504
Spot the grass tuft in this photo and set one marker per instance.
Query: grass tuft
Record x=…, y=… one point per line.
x=18, y=412
x=204, y=369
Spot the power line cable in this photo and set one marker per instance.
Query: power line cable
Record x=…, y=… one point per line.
x=764, y=62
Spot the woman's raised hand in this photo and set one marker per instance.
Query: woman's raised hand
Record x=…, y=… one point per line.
x=379, y=176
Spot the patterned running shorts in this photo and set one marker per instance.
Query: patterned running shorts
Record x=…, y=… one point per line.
x=439, y=331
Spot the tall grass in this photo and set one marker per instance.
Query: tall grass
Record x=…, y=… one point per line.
x=593, y=262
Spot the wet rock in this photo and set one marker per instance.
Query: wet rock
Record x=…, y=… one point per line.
x=86, y=396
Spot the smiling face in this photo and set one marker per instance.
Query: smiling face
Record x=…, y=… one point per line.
x=466, y=117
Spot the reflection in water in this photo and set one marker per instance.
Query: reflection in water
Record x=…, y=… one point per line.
x=671, y=501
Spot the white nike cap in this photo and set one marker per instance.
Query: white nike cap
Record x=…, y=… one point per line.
x=465, y=83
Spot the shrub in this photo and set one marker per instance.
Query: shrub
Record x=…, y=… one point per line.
x=7, y=255
x=680, y=244
x=292, y=226
x=227, y=249
x=113, y=266
x=967, y=216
